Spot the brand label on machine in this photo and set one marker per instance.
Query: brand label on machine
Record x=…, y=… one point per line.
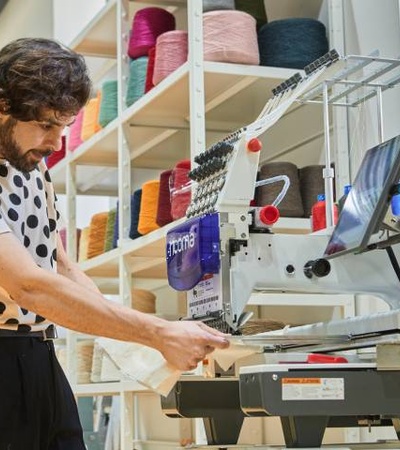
x=205, y=296
x=312, y=388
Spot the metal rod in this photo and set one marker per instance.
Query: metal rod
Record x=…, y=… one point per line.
x=379, y=99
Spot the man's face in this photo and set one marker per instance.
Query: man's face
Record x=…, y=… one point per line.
x=25, y=144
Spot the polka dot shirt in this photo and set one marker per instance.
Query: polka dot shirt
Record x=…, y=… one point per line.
x=28, y=211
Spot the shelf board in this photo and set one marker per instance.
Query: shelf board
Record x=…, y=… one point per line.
x=110, y=388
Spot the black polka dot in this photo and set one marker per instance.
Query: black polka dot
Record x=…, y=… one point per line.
x=27, y=241
x=39, y=183
x=26, y=192
x=37, y=201
x=47, y=176
x=41, y=250
x=24, y=311
x=53, y=224
x=39, y=319
x=27, y=175
x=32, y=221
x=18, y=181
x=2, y=307
x=57, y=215
x=54, y=254
x=12, y=214
x=47, y=195
x=1, y=216
x=1, y=189
x=23, y=228
x=51, y=262
x=24, y=328
x=46, y=231
x=12, y=321
x=15, y=199
x=3, y=171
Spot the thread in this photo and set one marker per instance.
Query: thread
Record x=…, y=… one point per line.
x=171, y=53
x=147, y=25
x=74, y=136
x=164, y=200
x=136, y=200
x=57, y=156
x=318, y=214
x=136, y=80
x=212, y=5
x=256, y=8
x=83, y=244
x=97, y=234
x=292, y=43
x=148, y=85
x=230, y=36
x=109, y=236
x=311, y=184
x=291, y=205
x=108, y=109
x=90, y=123
x=148, y=207
x=143, y=301
x=180, y=189
x=63, y=236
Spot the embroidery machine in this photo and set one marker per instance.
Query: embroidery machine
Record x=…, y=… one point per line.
x=226, y=250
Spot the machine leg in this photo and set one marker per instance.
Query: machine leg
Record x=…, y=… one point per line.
x=302, y=432
x=223, y=428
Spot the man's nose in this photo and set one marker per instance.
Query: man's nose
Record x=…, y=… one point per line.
x=54, y=140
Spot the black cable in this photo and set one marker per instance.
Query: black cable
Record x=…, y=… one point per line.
x=394, y=261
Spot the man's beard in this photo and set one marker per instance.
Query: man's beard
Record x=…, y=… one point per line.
x=12, y=152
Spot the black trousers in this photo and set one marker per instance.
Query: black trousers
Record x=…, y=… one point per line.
x=37, y=407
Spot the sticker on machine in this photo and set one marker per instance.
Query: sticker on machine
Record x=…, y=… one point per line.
x=312, y=389
x=204, y=297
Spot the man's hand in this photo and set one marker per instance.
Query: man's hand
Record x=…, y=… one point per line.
x=185, y=343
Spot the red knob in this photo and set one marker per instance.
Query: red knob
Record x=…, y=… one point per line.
x=254, y=145
x=269, y=214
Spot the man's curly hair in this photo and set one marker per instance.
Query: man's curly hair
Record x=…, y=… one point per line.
x=40, y=74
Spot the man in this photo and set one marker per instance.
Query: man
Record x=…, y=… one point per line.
x=42, y=87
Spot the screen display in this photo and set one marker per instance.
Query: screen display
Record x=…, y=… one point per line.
x=368, y=199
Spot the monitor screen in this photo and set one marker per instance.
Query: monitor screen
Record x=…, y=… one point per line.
x=368, y=199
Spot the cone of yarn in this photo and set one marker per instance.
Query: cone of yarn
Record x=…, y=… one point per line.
x=292, y=43
x=311, y=184
x=97, y=234
x=291, y=205
x=148, y=84
x=63, y=236
x=180, y=189
x=147, y=25
x=171, y=53
x=57, y=156
x=136, y=199
x=108, y=109
x=214, y=5
x=143, y=301
x=74, y=137
x=255, y=8
x=90, y=121
x=109, y=236
x=116, y=228
x=136, y=79
x=230, y=36
x=84, y=244
x=148, y=207
x=164, y=200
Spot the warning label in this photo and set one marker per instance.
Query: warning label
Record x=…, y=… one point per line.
x=312, y=389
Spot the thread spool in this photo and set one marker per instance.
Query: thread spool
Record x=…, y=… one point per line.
x=57, y=156
x=148, y=84
x=318, y=214
x=108, y=239
x=83, y=244
x=311, y=184
x=63, y=236
x=213, y=5
x=116, y=227
x=164, y=200
x=147, y=25
x=90, y=123
x=136, y=200
x=255, y=8
x=291, y=205
x=74, y=137
x=230, y=36
x=180, y=189
x=143, y=301
x=136, y=80
x=108, y=109
x=292, y=43
x=148, y=207
x=97, y=234
x=171, y=53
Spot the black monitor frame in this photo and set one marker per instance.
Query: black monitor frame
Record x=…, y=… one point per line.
x=368, y=200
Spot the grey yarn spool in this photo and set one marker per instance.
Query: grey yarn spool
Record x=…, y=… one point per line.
x=311, y=185
x=292, y=43
x=291, y=205
x=214, y=5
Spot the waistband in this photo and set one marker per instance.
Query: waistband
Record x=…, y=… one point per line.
x=49, y=333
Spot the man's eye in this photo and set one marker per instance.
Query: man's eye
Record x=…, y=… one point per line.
x=45, y=126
